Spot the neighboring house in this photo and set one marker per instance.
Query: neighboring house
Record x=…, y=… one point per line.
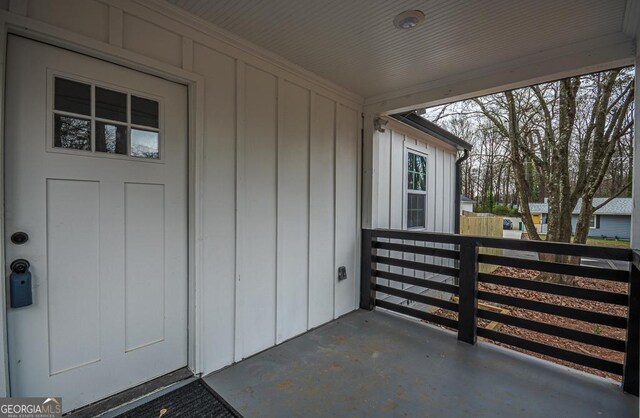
x=539, y=213
x=466, y=204
x=613, y=220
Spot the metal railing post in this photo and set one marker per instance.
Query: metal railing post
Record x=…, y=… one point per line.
x=468, y=294
x=630, y=381
x=367, y=292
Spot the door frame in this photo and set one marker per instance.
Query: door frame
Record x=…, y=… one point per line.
x=16, y=23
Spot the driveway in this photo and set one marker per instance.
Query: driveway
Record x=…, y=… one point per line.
x=607, y=264
x=515, y=234
x=511, y=233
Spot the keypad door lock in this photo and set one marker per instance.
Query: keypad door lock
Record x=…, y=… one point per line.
x=20, y=284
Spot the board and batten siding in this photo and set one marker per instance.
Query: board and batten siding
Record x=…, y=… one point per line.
x=281, y=180
x=392, y=146
x=391, y=172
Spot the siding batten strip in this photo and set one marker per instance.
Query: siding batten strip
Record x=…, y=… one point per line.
x=312, y=101
x=335, y=211
x=240, y=190
x=390, y=219
x=279, y=258
x=358, y=223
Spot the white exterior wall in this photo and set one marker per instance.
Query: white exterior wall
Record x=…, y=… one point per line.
x=280, y=180
x=391, y=187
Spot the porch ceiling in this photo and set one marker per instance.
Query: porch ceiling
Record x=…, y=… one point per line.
x=355, y=45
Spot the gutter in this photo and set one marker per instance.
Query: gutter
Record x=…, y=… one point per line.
x=456, y=217
x=432, y=129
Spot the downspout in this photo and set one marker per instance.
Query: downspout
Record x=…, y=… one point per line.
x=459, y=161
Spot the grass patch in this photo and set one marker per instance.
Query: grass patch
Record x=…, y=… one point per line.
x=602, y=242
x=607, y=242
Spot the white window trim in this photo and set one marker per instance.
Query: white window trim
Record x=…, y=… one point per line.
x=414, y=149
x=595, y=222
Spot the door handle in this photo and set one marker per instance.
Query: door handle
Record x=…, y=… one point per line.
x=20, y=284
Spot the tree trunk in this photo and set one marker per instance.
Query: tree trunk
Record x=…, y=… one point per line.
x=584, y=221
x=553, y=156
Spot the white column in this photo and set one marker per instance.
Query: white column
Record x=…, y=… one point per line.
x=635, y=217
x=369, y=174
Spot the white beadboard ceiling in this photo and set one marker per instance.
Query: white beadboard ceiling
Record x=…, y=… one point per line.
x=354, y=44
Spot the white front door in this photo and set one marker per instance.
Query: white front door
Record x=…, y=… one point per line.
x=96, y=176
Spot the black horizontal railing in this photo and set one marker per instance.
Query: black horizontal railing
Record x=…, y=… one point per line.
x=395, y=261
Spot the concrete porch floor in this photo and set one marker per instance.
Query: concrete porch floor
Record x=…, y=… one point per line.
x=375, y=364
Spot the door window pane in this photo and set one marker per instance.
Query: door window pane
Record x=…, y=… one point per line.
x=144, y=112
x=145, y=144
x=72, y=133
x=111, y=104
x=111, y=138
x=71, y=96
x=116, y=122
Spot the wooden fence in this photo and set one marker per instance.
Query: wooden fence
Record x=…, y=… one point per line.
x=484, y=226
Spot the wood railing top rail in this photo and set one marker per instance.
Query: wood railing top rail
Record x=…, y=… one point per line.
x=610, y=253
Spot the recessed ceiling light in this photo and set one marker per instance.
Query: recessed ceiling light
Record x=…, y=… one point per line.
x=409, y=19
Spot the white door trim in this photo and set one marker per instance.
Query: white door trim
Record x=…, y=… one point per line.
x=20, y=25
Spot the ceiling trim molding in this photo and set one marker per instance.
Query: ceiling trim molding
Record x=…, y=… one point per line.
x=221, y=35
x=598, y=54
x=631, y=20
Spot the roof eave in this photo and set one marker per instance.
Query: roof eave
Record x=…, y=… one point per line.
x=417, y=122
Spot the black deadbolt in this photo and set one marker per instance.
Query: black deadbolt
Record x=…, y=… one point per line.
x=19, y=238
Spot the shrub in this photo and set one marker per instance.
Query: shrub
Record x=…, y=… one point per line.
x=504, y=210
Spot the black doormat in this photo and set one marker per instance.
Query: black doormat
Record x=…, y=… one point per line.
x=193, y=400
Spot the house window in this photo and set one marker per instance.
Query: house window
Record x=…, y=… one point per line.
x=416, y=190
x=104, y=122
x=593, y=223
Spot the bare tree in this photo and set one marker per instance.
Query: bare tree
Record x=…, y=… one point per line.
x=561, y=140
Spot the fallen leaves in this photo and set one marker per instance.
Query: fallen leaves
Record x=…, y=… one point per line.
x=551, y=340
